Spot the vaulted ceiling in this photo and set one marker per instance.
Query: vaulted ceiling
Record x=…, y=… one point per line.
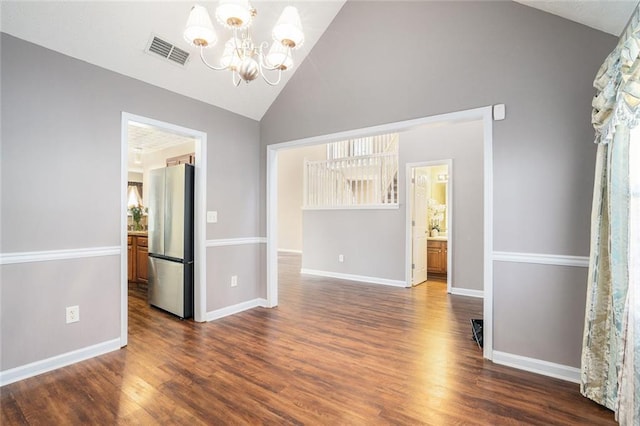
x=115, y=35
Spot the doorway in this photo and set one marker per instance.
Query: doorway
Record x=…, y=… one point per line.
x=166, y=132
x=429, y=220
x=484, y=115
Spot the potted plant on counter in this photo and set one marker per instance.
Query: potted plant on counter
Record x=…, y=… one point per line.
x=436, y=215
x=137, y=212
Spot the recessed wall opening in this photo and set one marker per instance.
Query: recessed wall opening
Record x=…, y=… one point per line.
x=430, y=211
x=483, y=118
x=150, y=144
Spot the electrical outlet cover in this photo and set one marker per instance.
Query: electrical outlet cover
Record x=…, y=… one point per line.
x=73, y=314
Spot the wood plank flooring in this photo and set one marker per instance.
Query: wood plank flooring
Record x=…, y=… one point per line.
x=333, y=353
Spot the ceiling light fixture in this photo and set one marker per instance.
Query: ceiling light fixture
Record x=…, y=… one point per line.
x=241, y=56
x=137, y=155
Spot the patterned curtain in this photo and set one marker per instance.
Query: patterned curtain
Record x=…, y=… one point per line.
x=611, y=346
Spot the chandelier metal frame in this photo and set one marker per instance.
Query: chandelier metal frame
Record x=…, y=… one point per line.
x=244, y=58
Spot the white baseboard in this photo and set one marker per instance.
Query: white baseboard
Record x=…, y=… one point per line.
x=58, y=361
x=351, y=277
x=546, y=368
x=467, y=292
x=280, y=250
x=234, y=309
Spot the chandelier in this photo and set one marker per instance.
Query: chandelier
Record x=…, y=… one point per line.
x=245, y=59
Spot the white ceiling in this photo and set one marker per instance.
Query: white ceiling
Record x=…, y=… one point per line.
x=609, y=16
x=150, y=139
x=143, y=139
x=114, y=34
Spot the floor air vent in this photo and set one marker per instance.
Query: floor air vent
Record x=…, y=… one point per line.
x=167, y=50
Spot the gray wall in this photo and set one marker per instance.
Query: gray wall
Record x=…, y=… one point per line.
x=60, y=170
x=373, y=241
x=463, y=143
x=34, y=297
x=61, y=129
x=539, y=311
x=290, y=193
x=437, y=57
x=369, y=249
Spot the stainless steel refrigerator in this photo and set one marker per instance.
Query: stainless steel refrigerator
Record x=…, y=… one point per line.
x=171, y=250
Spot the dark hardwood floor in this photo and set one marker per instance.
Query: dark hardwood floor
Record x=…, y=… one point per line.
x=333, y=352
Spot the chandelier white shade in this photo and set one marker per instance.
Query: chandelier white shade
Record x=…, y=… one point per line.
x=279, y=56
x=288, y=29
x=230, y=58
x=199, y=30
x=245, y=59
x=234, y=14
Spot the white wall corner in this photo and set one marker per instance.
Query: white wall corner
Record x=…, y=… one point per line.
x=545, y=368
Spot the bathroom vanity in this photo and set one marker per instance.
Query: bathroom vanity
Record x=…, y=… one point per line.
x=437, y=257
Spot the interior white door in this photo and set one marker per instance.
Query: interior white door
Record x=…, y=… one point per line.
x=419, y=226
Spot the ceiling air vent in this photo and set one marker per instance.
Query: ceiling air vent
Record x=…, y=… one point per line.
x=167, y=50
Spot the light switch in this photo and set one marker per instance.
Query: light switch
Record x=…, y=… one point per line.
x=212, y=217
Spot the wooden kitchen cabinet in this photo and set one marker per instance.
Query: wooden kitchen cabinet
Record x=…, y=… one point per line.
x=142, y=256
x=137, y=258
x=130, y=263
x=182, y=159
x=437, y=257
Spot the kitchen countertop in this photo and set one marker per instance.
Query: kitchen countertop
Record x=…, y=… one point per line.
x=443, y=238
x=137, y=233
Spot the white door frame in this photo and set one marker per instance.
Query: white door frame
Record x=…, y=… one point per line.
x=484, y=114
x=200, y=286
x=408, y=245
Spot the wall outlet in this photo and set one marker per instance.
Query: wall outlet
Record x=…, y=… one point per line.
x=212, y=217
x=234, y=280
x=341, y=258
x=73, y=314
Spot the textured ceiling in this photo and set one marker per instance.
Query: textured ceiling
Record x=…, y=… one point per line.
x=149, y=139
x=143, y=139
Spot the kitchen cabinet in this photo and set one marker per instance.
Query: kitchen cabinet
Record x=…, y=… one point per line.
x=142, y=256
x=182, y=159
x=130, y=263
x=437, y=257
x=137, y=258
